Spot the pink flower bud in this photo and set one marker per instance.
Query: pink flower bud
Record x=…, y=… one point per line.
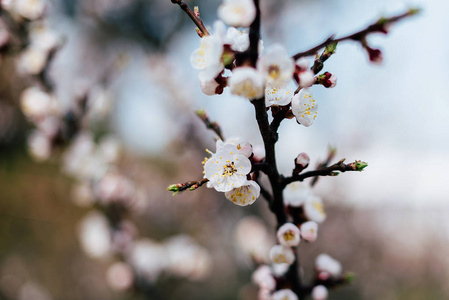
x=302, y=160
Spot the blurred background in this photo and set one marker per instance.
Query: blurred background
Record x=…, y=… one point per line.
x=125, y=65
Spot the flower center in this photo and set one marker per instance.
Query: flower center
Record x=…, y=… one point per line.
x=274, y=71
x=229, y=169
x=289, y=235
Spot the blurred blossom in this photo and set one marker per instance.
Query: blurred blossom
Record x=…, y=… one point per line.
x=32, y=61
x=282, y=255
x=314, y=210
x=109, y=149
x=113, y=187
x=263, y=277
x=252, y=237
x=309, y=231
x=237, y=13
x=148, y=258
x=289, y=235
x=94, y=235
x=296, y=194
x=39, y=146
x=123, y=236
x=49, y=126
x=276, y=66
x=320, y=292
x=82, y=194
x=279, y=269
x=42, y=37
x=284, y=294
x=325, y=263
x=99, y=103
x=80, y=159
x=36, y=104
x=28, y=9
x=119, y=276
x=33, y=291
x=187, y=258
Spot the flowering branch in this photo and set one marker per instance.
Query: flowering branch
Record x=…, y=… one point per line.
x=382, y=25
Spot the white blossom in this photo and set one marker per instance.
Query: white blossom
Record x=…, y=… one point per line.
x=227, y=168
x=36, y=103
x=289, y=235
x=296, y=194
x=309, y=231
x=320, y=292
x=276, y=65
x=32, y=61
x=39, y=146
x=209, y=86
x=247, y=82
x=325, y=263
x=237, y=13
x=42, y=37
x=306, y=79
x=148, y=258
x=252, y=237
x=284, y=294
x=314, y=210
x=208, y=58
x=263, y=277
x=187, y=258
x=238, y=40
x=275, y=95
x=282, y=255
x=29, y=9
x=94, y=235
x=243, y=145
x=303, y=63
x=244, y=195
x=119, y=276
x=304, y=107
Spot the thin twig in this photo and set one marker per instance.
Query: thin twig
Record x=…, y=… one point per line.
x=198, y=22
x=327, y=171
x=378, y=26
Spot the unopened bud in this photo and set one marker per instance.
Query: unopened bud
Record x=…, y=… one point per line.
x=175, y=188
x=375, y=55
x=301, y=162
x=358, y=165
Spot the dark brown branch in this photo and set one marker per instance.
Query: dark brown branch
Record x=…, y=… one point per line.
x=198, y=22
x=277, y=119
x=330, y=157
x=327, y=171
x=266, y=194
x=380, y=25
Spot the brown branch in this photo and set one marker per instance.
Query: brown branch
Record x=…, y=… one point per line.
x=210, y=125
x=380, y=25
x=327, y=171
x=330, y=157
x=198, y=22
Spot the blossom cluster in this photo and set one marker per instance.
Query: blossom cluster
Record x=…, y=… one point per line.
x=277, y=77
x=228, y=170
